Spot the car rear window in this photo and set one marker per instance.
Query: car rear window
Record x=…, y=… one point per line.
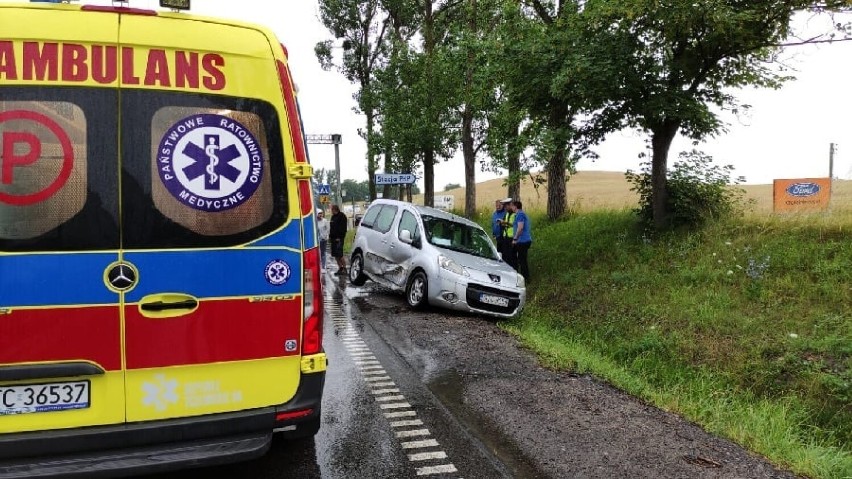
x=200, y=170
x=385, y=219
x=371, y=216
x=58, y=169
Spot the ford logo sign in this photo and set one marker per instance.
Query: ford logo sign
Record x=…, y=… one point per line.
x=803, y=189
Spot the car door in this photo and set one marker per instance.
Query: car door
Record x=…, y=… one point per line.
x=402, y=253
x=60, y=328
x=381, y=263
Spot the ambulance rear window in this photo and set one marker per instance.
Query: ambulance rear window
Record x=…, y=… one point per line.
x=199, y=170
x=58, y=169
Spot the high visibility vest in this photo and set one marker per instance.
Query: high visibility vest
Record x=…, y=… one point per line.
x=509, y=231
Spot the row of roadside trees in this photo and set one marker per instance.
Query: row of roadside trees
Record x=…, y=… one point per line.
x=522, y=84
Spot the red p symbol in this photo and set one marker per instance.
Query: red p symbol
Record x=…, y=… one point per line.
x=11, y=159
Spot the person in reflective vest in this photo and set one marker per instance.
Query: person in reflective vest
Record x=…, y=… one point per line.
x=508, y=251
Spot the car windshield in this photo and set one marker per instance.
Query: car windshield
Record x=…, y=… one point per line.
x=457, y=236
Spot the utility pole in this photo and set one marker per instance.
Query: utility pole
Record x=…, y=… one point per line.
x=831, y=161
x=831, y=150
x=334, y=139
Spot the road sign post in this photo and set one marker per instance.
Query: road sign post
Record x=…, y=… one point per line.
x=334, y=139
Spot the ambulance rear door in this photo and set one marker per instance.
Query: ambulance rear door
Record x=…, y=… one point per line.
x=61, y=363
x=214, y=324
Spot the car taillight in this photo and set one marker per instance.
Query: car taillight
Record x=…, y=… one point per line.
x=312, y=297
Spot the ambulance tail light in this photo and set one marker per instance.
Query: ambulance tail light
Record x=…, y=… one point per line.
x=292, y=113
x=313, y=307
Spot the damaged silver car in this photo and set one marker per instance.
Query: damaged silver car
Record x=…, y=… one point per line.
x=435, y=258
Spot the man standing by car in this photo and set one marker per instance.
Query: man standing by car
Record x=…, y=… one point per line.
x=522, y=239
x=337, y=233
x=323, y=228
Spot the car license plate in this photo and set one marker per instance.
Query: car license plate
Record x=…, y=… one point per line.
x=495, y=300
x=30, y=398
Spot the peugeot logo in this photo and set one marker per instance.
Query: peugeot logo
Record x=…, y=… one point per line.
x=121, y=276
x=495, y=278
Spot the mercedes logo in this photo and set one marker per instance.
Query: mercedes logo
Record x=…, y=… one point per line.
x=121, y=276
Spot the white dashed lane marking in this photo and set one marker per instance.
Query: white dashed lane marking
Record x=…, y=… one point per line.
x=401, y=415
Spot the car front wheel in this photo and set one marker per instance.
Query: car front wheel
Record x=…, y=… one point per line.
x=356, y=269
x=417, y=290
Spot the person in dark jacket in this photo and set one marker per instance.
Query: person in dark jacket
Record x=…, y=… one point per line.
x=336, y=236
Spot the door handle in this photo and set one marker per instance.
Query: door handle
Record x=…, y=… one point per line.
x=163, y=306
x=167, y=305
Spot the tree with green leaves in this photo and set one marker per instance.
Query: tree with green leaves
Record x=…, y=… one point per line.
x=672, y=65
x=362, y=27
x=469, y=47
x=414, y=91
x=541, y=45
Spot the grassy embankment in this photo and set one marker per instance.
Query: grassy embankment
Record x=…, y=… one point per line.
x=744, y=327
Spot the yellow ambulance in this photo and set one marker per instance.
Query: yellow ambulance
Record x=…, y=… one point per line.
x=160, y=295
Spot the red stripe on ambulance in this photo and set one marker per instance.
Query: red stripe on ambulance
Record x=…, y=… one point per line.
x=62, y=334
x=218, y=331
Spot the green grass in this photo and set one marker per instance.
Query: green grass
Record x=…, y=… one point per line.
x=743, y=327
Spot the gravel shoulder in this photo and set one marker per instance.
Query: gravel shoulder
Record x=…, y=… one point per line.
x=540, y=422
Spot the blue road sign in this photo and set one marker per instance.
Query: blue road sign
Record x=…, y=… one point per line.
x=324, y=189
x=395, y=178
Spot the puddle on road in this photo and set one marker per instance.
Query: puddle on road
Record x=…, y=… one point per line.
x=449, y=389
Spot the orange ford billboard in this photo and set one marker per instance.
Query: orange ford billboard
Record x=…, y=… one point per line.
x=802, y=194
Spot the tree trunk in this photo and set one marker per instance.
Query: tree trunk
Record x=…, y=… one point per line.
x=467, y=125
x=560, y=124
x=556, y=194
x=469, y=164
x=386, y=190
x=513, y=157
x=661, y=141
x=430, y=114
x=429, y=177
x=371, y=156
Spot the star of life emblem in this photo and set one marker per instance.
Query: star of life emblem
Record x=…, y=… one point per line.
x=160, y=393
x=210, y=162
x=277, y=272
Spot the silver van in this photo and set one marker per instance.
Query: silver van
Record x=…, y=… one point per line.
x=436, y=258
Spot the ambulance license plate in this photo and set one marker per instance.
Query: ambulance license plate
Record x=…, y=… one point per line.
x=30, y=398
x=495, y=300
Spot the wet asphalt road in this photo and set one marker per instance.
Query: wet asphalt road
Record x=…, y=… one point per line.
x=434, y=393
x=379, y=420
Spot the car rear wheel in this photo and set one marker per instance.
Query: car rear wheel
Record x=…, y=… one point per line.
x=356, y=269
x=417, y=290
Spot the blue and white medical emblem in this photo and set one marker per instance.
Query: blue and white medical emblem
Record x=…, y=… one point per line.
x=277, y=272
x=210, y=162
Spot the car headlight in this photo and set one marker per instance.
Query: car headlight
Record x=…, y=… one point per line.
x=522, y=283
x=450, y=265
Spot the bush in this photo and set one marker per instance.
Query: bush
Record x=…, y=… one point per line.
x=698, y=190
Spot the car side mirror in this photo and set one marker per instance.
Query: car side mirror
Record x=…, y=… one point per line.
x=405, y=237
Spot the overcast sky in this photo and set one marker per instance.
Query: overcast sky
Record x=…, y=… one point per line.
x=786, y=134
